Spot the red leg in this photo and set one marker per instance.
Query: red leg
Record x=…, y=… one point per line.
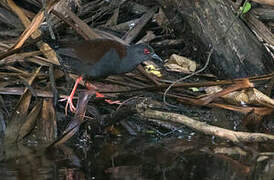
x=70, y=97
x=90, y=86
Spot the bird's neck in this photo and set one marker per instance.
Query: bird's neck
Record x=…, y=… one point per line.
x=129, y=62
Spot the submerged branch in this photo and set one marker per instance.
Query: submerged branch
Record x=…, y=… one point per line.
x=206, y=128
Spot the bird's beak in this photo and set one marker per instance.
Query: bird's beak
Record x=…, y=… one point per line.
x=155, y=56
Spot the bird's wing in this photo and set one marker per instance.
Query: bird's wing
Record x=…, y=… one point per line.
x=90, y=51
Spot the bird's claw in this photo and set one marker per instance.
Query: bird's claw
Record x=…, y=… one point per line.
x=112, y=102
x=70, y=103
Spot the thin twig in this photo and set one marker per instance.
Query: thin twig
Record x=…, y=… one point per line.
x=186, y=77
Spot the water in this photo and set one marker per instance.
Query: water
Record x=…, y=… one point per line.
x=135, y=158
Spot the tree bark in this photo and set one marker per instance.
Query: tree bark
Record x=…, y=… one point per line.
x=237, y=51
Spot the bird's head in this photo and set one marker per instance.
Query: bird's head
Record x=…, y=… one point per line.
x=144, y=52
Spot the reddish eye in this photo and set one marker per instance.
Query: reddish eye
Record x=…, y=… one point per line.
x=146, y=51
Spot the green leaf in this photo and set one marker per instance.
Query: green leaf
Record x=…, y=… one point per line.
x=245, y=8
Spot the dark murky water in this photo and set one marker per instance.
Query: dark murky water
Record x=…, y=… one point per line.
x=135, y=158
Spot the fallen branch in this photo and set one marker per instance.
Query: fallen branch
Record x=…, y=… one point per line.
x=205, y=128
x=268, y=2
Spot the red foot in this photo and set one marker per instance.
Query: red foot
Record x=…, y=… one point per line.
x=112, y=102
x=99, y=95
x=70, y=97
x=70, y=103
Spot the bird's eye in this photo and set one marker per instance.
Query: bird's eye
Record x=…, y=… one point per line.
x=146, y=51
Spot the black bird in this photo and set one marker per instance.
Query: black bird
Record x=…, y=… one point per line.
x=100, y=58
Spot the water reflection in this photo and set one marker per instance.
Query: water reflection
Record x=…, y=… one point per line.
x=135, y=158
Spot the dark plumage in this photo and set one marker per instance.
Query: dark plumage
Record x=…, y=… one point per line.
x=99, y=58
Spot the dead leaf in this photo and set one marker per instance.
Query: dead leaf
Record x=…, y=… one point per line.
x=20, y=113
x=47, y=128
x=180, y=64
x=30, y=121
